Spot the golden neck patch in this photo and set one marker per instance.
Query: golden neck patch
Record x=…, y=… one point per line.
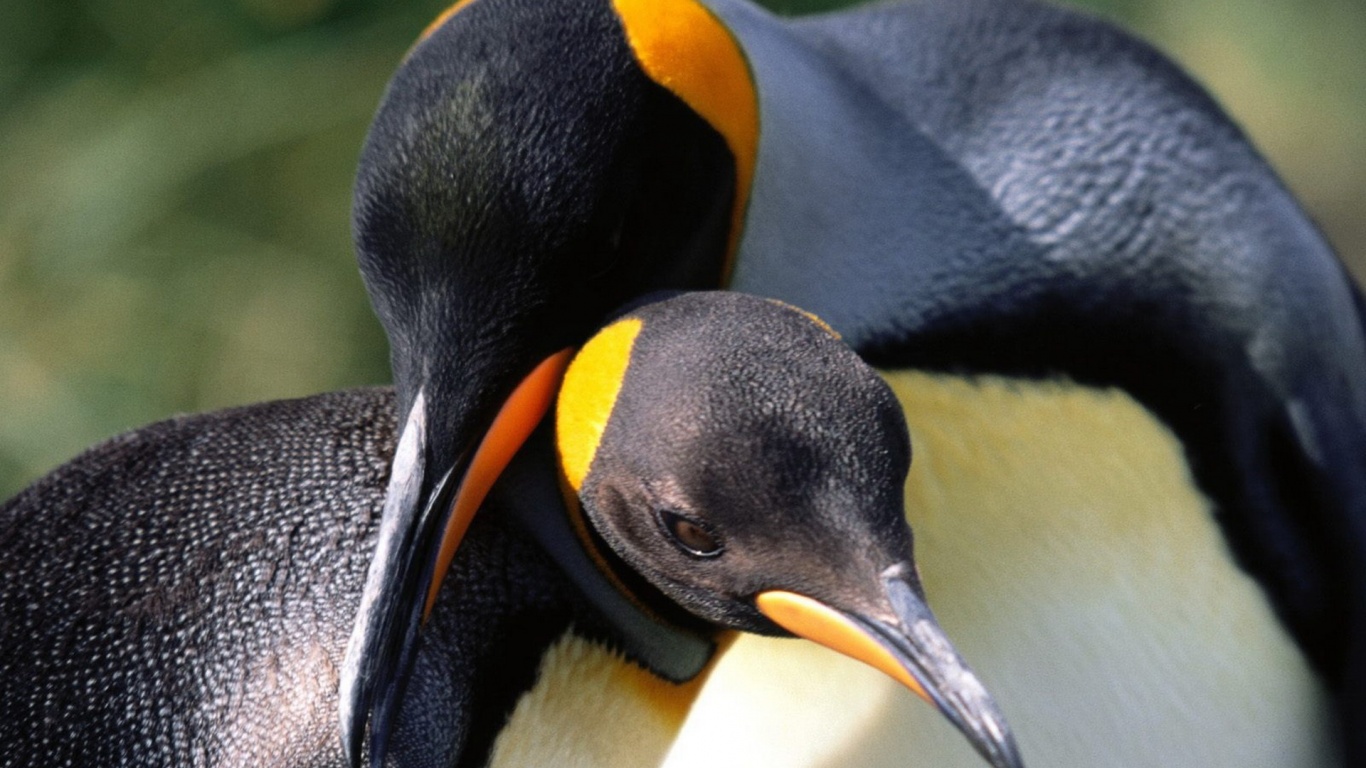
x=681, y=45
x=589, y=392
x=442, y=19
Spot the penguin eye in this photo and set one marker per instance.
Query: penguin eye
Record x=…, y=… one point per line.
x=692, y=536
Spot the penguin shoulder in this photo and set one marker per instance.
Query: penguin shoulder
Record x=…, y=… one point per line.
x=1086, y=136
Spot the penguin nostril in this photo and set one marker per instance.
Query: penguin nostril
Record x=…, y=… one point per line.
x=692, y=536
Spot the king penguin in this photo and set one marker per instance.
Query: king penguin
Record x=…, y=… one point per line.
x=1037, y=226
x=179, y=594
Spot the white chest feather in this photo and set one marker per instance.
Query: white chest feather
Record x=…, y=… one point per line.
x=1071, y=560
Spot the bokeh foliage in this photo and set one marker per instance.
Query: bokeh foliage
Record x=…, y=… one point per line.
x=175, y=180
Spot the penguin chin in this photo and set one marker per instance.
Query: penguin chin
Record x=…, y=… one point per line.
x=723, y=611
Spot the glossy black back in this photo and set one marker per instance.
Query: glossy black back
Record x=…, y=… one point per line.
x=183, y=594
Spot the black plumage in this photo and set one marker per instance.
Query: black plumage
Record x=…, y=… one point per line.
x=182, y=595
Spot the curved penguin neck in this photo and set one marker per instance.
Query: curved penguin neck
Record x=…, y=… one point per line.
x=589, y=705
x=666, y=648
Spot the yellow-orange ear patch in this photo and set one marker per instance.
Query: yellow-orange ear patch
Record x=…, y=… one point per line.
x=516, y=420
x=589, y=392
x=682, y=46
x=442, y=19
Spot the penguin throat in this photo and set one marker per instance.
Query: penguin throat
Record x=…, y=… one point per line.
x=646, y=597
x=647, y=627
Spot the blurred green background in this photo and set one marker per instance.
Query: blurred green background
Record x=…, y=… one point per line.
x=175, y=179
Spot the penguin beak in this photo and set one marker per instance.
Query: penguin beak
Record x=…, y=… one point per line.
x=909, y=646
x=419, y=534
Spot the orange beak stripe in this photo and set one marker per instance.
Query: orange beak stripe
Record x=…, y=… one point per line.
x=511, y=427
x=821, y=624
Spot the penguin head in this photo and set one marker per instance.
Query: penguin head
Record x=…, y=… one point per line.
x=737, y=456
x=528, y=171
x=745, y=446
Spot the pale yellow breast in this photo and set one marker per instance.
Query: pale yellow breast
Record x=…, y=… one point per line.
x=590, y=708
x=1070, y=558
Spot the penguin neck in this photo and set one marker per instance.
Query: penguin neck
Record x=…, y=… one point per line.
x=649, y=629
x=647, y=600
